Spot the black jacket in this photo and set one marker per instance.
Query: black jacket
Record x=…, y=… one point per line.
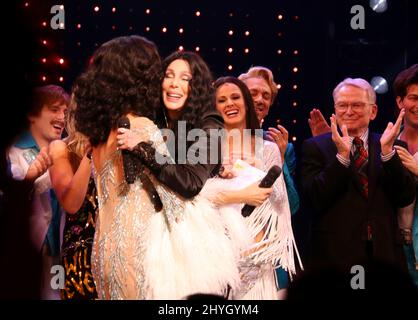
x=342, y=215
x=187, y=179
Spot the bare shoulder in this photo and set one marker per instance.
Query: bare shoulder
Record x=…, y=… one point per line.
x=57, y=148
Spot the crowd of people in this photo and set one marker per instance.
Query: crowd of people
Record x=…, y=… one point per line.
x=155, y=209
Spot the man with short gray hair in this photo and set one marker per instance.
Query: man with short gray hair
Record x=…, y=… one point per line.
x=354, y=181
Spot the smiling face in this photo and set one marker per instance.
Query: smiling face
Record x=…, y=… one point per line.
x=176, y=87
x=261, y=95
x=357, y=121
x=48, y=125
x=410, y=103
x=230, y=103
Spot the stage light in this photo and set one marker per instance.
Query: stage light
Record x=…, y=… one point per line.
x=230, y=67
x=280, y=17
x=148, y=11
x=379, y=84
x=294, y=121
x=44, y=60
x=62, y=25
x=379, y=5
x=295, y=104
x=44, y=24
x=181, y=30
x=295, y=87
x=26, y=4
x=43, y=78
x=295, y=69
x=279, y=51
x=230, y=32
x=295, y=52
x=78, y=26
x=147, y=29
x=197, y=13
x=197, y=49
x=61, y=79
x=61, y=61
x=293, y=139
x=279, y=86
x=113, y=9
x=246, y=50
x=247, y=33
x=280, y=34
x=96, y=8
x=164, y=29
x=181, y=48
x=44, y=42
x=230, y=50
x=113, y=27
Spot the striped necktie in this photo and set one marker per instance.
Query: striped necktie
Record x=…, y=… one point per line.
x=360, y=163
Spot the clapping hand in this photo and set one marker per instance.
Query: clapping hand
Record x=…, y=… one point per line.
x=391, y=132
x=317, y=123
x=280, y=136
x=343, y=143
x=407, y=160
x=39, y=166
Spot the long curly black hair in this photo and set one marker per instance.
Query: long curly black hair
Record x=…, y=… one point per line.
x=200, y=99
x=123, y=76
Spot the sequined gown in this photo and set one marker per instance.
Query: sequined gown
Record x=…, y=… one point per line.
x=77, y=247
x=139, y=253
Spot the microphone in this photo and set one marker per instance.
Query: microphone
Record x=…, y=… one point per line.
x=129, y=162
x=266, y=182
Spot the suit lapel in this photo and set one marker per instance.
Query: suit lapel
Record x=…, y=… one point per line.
x=375, y=163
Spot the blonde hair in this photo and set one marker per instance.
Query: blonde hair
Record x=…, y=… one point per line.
x=358, y=83
x=76, y=141
x=263, y=73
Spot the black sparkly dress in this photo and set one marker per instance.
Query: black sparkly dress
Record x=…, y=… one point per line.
x=76, y=249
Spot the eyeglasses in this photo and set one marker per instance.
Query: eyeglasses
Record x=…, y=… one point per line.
x=355, y=106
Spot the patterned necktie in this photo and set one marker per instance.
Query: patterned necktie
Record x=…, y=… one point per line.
x=360, y=162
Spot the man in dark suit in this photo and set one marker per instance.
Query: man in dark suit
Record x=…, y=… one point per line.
x=355, y=180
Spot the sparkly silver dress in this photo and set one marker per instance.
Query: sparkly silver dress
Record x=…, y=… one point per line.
x=139, y=253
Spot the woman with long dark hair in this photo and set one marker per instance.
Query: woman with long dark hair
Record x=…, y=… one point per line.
x=186, y=104
x=142, y=251
x=265, y=238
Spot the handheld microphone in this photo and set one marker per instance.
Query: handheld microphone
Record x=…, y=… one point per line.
x=129, y=163
x=266, y=182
